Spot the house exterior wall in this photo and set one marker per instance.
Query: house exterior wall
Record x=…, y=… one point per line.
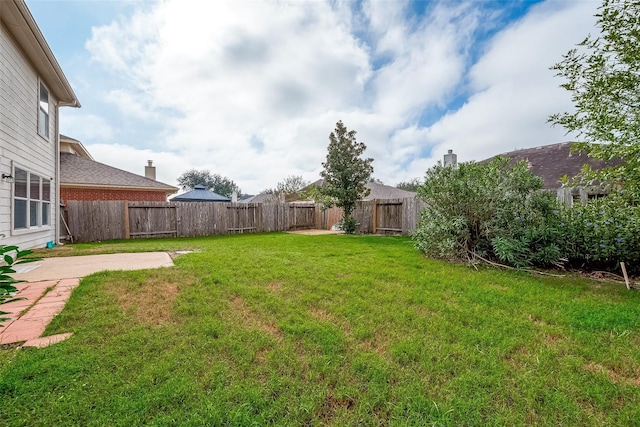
x=20, y=143
x=75, y=193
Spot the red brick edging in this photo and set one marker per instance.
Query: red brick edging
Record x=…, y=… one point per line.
x=29, y=326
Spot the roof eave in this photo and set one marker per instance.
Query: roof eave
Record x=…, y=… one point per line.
x=168, y=189
x=77, y=146
x=16, y=15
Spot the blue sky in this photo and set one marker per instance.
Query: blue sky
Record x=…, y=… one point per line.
x=251, y=90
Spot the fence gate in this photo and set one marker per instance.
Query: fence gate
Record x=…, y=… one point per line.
x=148, y=220
x=387, y=216
x=302, y=216
x=242, y=218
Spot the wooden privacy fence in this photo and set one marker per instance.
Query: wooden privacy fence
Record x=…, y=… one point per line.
x=388, y=216
x=91, y=221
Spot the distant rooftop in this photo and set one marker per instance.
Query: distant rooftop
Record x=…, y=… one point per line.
x=80, y=171
x=200, y=194
x=380, y=191
x=552, y=162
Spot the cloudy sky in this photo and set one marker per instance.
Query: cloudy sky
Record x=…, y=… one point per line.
x=252, y=89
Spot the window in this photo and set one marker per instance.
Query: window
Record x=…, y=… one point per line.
x=20, y=199
x=31, y=200
x=43, y=111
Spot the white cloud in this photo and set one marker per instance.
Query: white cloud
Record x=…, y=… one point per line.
x=251, y=90
x=85, y=127
x=426, y=59
x=134, y=105
x=168, y=165
x=514, y=91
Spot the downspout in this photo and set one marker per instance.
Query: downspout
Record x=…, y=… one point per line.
x=58, y=213
x=56, y=200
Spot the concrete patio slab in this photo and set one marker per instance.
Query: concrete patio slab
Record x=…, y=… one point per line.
x=315, y=232
x=80, y=266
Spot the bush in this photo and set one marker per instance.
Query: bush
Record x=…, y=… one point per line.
x=601, y=233
x=11, y=256
x=348, y=224
x=493, y=210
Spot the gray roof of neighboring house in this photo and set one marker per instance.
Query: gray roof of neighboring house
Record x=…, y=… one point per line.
x=200, y=194
x=82, y=172
x=377, y=191
x=260, y=198
x=380, y=191
x=552, y=162
x=68, y=137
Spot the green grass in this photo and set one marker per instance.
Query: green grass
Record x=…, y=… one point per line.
x=279, y=329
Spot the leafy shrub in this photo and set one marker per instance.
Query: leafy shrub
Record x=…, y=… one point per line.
x=493, y=210
x=348, y=224
x=11, y=256
x=601, y=233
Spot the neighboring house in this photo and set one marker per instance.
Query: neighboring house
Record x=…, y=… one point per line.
x=32, y=89
x=552, y=162
x=379, y=191
x=200, y=194
x=73, y=146
x=385, y=192
x=376, y=191
x=82, y=178
x=260, y=198
x=273, y=198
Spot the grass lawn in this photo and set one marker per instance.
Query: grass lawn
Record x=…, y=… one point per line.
x=280, y=329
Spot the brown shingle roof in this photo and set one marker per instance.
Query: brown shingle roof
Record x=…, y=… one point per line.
x=260, y=198
x=552, y=162
x=380, y=191
x=76, y=170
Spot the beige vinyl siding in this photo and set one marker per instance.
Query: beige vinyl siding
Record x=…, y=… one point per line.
x=20, y=143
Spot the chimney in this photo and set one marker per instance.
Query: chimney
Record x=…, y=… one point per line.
x=150, y=170
x=451, y=159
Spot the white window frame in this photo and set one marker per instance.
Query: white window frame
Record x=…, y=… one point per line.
x=43, y=115
x=41, y=202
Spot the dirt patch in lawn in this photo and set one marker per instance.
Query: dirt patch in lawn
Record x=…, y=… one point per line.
x=322, y=315
x=151, y=303
x=332, y=406
x=613, y=376
x=252, y=319
x=378, y=344
x=274, y=286
x=519, y=357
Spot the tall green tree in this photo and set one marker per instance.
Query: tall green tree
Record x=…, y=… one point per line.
x=212, y=182
x=345, y=173
x=603, y=75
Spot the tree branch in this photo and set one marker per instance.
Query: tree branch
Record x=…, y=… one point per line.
x=495, y=264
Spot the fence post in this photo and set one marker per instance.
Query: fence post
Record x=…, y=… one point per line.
x=405, y=212
x=178, y=219
x=374, y=215
x=127, y=231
